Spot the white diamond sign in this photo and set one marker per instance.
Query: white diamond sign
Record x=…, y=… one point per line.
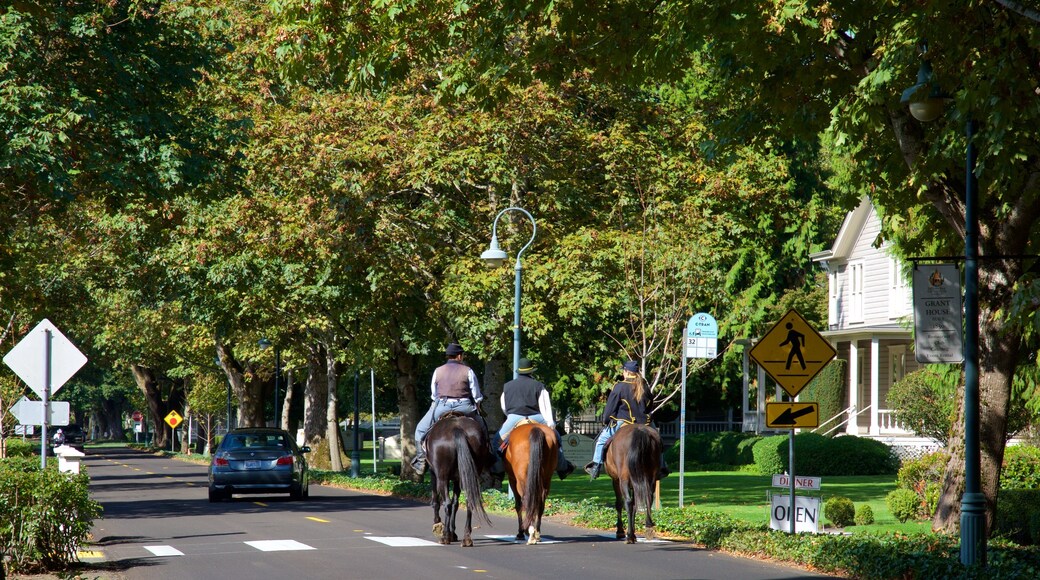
x=28, y=359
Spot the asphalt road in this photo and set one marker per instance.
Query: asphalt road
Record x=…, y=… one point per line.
x=158, y=524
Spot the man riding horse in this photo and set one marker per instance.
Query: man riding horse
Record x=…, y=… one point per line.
x=453, y=388
x=527, y=398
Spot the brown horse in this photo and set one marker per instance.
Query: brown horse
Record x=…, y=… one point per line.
x=458, y=453
x=530, y=461
x=632, y=461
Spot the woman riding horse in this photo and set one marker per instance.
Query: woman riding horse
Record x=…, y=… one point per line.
x=627, y=405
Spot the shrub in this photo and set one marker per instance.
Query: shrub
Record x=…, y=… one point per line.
x=727, y=448
x=45, y=515
x=904, y=504
x=17, y=447
x=923, y=476
x=1018, y=516
x=818, y=455
x=864, y=515
x=1021, y=468
x=839, y=511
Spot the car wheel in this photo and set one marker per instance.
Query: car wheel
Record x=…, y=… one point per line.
x=216, y=495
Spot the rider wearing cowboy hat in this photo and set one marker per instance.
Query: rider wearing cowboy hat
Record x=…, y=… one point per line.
x=453, y=387
x=527, y=398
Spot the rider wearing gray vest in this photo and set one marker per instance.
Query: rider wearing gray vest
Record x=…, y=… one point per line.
x=453, y=387
x=527, y=398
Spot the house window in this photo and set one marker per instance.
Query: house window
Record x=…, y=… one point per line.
x=898, y=290
x=896, y=363
x=832, y=303
x=856, y=292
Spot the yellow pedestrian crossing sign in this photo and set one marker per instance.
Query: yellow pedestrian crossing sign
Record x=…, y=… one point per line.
x=792, y=352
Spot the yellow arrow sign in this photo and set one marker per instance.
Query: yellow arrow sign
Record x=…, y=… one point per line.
x=173, y=418
x=792, y=415
x=792, y=352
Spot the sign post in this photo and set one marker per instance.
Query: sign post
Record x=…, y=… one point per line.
x=701, y=341
x=793, y=353
x=60, y=360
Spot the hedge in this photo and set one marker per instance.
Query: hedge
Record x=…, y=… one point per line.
x=818, y=455
x=45, y=515
x=728, y=448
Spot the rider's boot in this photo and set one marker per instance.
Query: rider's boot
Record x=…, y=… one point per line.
x=419, y=462
x=592, y=468
x=564, y=467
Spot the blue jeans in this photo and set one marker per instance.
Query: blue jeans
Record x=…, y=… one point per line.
x=438, y=409
x=601, y=441
x=510, y=423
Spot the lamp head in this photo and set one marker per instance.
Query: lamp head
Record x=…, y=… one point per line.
x=493, y=257
x=924, y=98
x=264, y=344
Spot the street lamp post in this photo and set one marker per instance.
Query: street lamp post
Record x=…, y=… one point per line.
x=265, y=344
x=495, y=257
x=925, y=101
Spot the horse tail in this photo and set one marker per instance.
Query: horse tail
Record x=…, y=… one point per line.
x=532, y=493
x=469, y=475
x=642, y=466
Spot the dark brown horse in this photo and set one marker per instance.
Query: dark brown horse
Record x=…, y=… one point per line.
x=530, y=461
x=457, y=454
x=632, y=461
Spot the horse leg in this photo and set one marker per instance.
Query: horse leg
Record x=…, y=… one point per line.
x=454, y=507
x=630, y=506
x=435, y=501
x=648, y=526
x=467, y=539
x=617, y=507
x=517, y=505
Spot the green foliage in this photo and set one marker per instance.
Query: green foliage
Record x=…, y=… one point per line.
x=1021, y=469
x=904, y=504
x=923, y=476
x=840, y=511
x=925, y=402
x=1018, y=516
x=715, y=449
x=827, y=389
x=45, y=515
x=18, y=447
x=818, y=455
x=864, y=515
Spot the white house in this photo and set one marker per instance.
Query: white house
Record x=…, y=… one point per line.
x=869, y=321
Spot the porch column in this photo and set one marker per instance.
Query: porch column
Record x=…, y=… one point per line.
x=875, y=395
x=852, y=428
x=760, y=410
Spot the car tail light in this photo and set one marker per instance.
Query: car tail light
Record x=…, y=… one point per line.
x=220, y=461
x=285, y=460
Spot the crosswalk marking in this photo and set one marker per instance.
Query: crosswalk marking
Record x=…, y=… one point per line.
x=278, y=545
x=513, y=540
x=164, y=551
x=401, y=541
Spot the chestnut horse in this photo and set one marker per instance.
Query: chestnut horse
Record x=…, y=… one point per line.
x=530, y=461
x=457, y=454
x=632, y=461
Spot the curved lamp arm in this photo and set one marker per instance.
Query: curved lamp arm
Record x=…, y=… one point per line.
x=494, y=256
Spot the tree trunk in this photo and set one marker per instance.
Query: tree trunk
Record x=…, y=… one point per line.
x=247, y=392
x=315, y=398
x=495, y=376
x=406, y=369
x=998, y=356
x=283, y=421
x=331, y=420
x=110, y=418
x=151, y=384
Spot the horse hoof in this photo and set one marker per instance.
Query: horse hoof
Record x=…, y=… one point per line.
x=455, y=538
x=467, y=543
x=619, y=535
x=630, y=540
x=650, y=533
x=445, y=542
x=438, y=529
x=520, y=537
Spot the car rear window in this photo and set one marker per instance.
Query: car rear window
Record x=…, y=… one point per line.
x=239, y=441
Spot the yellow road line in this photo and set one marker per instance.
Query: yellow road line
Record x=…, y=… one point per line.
x=314, y=519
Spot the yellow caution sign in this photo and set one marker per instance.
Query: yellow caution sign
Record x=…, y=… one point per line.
x=792, y=352
x=793, y=415
x=173, y=418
